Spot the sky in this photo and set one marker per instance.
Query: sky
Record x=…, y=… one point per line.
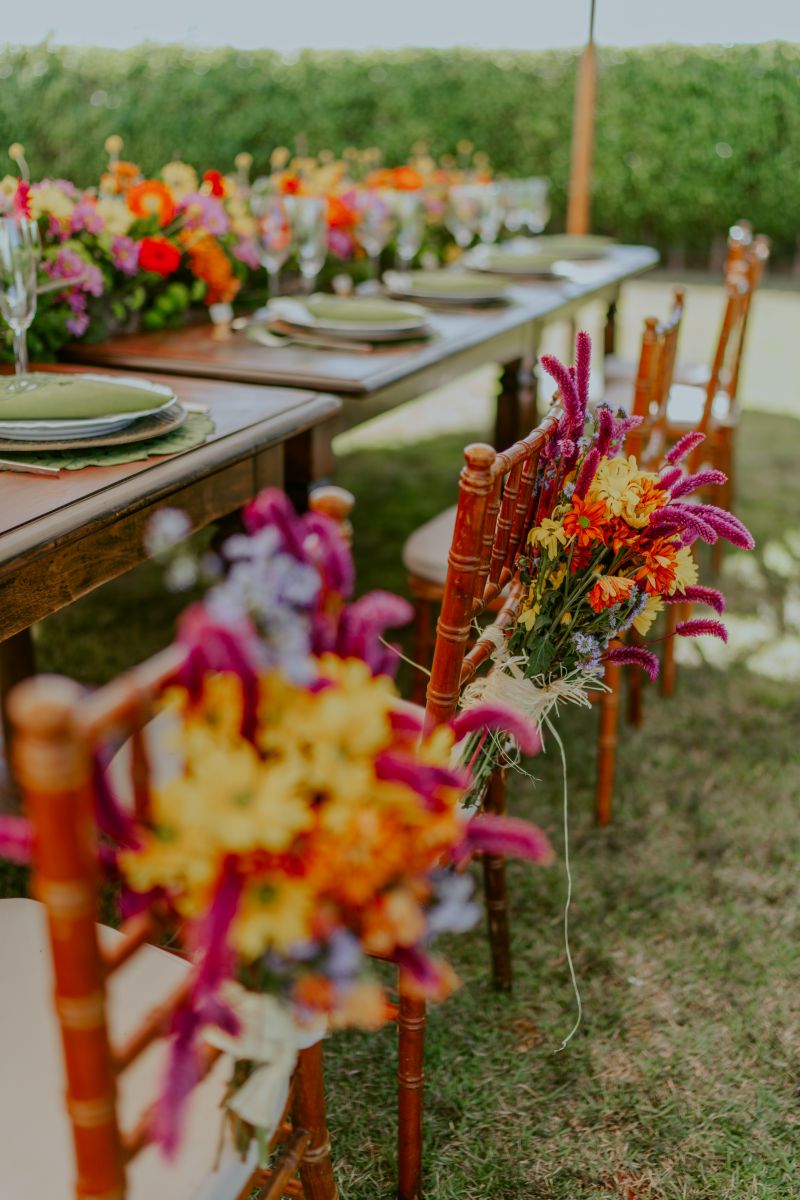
x=389, y=24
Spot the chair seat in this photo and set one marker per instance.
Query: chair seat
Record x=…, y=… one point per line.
x=36, y=1155
x=616, y=370
x=684, y=407
x=426, y=550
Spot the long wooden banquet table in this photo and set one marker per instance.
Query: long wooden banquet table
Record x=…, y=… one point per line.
x=61, y=537
x=374, y=382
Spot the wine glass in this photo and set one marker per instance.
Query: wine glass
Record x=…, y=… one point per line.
x=410, y=215
x=310, y=231
x=19, y=258
x=274, y=235
x=463, y=213
x=375, y=224
x=492, y=212
x=527, y=204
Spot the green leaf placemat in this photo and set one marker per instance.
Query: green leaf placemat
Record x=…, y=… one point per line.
x=193, y=432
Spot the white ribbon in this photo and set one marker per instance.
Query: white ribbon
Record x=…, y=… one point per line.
x=270, y=1037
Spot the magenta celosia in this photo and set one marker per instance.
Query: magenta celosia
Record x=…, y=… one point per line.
x=700, y=627
x=693, y=483
x=501, y=718
x=684, y=447
x=699, y=595
x=605, y=430
x=587, y=473
x=635, y=656
x=16, y=839
x=495, y=834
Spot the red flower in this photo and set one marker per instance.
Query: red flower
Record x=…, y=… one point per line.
x=214, y=179
x=159, y=255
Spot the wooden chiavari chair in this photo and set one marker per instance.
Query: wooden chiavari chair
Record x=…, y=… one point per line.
x=114, y=993
x=497, y=501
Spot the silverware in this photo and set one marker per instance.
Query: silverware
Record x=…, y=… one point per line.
x=25, y=468
x=277, y=341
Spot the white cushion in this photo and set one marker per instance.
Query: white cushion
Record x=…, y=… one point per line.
x=425, y=552
x=36, y=1154
x=685, y=405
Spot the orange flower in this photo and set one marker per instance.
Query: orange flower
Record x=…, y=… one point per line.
x=209, y=262
x=608, y=590
x=120, y=177
x=291, y=185
x=340, y=214
x=587, y=521
x=152, y=199
x=657, y=573
x=406, y=179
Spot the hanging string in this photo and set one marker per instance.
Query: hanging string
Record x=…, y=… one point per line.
x=568, y=901
x=409, y=661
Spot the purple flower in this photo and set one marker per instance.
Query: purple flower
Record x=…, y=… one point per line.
x=499, y=717
x=669, y=477
x=78, y=324
x=454, y=910
x=605, y=429
x=511, y=836
x=204, y=212
x=424, y=779
x=583, y=359
x=216, y=646
x=85, y=217
x=246, y=251
x=693, y=483
x=573, y=413
x=341, y=243
x=16, y=839
x=423, y=969
x=684, y=447
x=699, y=595
x=111, y=817
x=682, y=518
x=726, y=525
x=125, y=254
x=635, y=656
x=587, y=473
x=362, y=625
x=701, y=626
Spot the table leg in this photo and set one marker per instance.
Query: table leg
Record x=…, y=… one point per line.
x=308, y=459
x=17, y=662
x=610, y=332
x=517, y=402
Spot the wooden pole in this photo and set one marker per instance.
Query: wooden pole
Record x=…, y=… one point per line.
x=580, y=178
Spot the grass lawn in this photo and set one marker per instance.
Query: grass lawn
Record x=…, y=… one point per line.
x=682, y=1082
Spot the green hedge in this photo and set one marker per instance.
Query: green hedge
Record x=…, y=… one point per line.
x=688, y=139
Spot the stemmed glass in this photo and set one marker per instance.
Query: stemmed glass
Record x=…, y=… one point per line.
x=527, y=204
x=274, y=234
x=310, y=231
x=492, y=212
x=19, y=258
x=410, y=215
x=464, y=211
x=375, y=224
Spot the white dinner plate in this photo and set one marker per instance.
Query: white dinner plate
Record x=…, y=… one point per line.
x=66, y=429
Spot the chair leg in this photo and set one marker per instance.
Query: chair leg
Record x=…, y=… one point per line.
x=494, y=884
x=607, y=744
x=308, y=1112
x=668, y=668
x=410, y=1077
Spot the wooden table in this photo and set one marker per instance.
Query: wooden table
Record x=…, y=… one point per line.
x=374, y=382
x=61, y=537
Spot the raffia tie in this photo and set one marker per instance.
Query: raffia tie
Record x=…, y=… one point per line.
x=535, y=699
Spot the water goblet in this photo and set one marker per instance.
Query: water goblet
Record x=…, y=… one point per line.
x=463, y=213
x=527, y=204
x=19, y=258
x=375, y=224
x=274, y=234
x=310, y=232
x=410, y=215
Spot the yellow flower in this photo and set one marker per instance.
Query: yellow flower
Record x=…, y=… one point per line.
x=49, y=200
x=180, y=178
x=556, y=576
x=549, y=534
x=686, y=573
x=116, y=215
x=273, y=915
x=627, y=491
x=648, y=614
x=528, y=618
x=566, y=619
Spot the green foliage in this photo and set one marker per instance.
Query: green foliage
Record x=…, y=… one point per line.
x=688, y=139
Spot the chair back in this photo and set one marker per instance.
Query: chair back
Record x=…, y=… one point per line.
x=654, y=381
x=500, y=495
x=747, y=258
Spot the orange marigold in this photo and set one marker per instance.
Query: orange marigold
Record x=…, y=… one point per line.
x=657, y=572
x=151, y=198
x=608, y=590
x=587, y=521
x=209, y=262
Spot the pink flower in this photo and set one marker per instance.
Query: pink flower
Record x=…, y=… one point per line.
x=494, y=834
x=341, y=243
x=125, y=254
x=16, y=839
x=363, y=624
x=701, y=627
x=693, y=483
x=85, y=216
x=499, y=717
x=684, y=447
x=246, y=251
x=78, y=324
x=635, y=656
x=587, y=473
x=699, y=595
x=204, y=212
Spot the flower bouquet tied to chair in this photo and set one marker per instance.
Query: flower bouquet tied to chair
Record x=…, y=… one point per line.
x=609, y=546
